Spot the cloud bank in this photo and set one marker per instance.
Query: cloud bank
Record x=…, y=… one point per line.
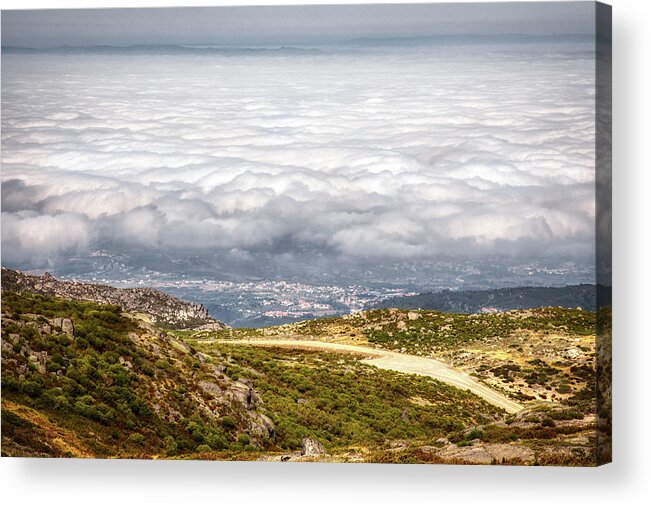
x=405, y=154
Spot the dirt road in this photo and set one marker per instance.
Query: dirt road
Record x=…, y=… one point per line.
x=401, y=362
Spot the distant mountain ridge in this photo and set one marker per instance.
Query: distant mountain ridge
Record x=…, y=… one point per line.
x=164, y=49
x=163, y=309
x=469, y=39
x=501, y=299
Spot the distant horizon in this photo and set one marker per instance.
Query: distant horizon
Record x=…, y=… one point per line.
x=361, y=41
x=298, y=24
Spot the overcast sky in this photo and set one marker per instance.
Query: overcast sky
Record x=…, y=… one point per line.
x=289, y=24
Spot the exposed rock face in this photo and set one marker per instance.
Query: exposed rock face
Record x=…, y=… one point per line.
x=163, y=309
x=261, y=425
x=244, y=394
x=488, y=454
x=67, y=327
x=311, y=447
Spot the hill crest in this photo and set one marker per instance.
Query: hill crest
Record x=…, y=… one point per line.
x=163, y=309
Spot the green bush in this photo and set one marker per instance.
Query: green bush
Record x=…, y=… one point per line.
x=217, y=441
x=136, y=438
x=474, y=434
x=170, y=445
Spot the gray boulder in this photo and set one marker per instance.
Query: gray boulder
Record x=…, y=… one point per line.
x=261, y=425
x=67, y=327
x=311, y=447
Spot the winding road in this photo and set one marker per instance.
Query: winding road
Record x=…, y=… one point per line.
x=394, y=361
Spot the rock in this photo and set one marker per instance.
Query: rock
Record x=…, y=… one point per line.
x=402, y=325
x=488, y=454
x=244, y=394
x=46, y=329
x=413, y=316
x=157, y=305
x=210, y=388
x=7, y=347
x=572, y=353
x=311, y=447
x=39, y=362
x=67, y=327
x=210, y=326
x=466, y=454
x=203, y=358
x=125, y=363
x=510, y=453
x=261, y=425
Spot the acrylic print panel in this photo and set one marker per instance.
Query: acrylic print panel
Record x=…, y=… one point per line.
x=374, y=233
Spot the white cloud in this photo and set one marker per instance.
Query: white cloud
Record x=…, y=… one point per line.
x=397, y=155
x=36, y=239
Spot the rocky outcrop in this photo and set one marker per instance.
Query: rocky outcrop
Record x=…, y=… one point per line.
x=261, y=425
x=311, y=447
x=163, y=309
x=488, y=454
x=65, y=325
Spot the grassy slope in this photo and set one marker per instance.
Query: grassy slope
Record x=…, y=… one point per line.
x=117, y=388
x=88, y=403
x=543, y=354
x=535, y=356
x=343, y=403
x=74, y=396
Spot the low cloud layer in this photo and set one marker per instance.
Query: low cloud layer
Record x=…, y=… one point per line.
x=396, y=155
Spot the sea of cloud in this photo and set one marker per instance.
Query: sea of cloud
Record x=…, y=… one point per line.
x=384, y=154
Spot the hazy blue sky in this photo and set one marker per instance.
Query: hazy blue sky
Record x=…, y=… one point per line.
x=289, y=24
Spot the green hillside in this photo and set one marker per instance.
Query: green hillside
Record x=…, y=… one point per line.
x=82, y=379
x=110, y=385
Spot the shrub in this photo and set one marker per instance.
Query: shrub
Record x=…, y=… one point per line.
x=137, y=438
x=171, y=447
x=33, y=388
x=474, y=434
x=217, y=441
